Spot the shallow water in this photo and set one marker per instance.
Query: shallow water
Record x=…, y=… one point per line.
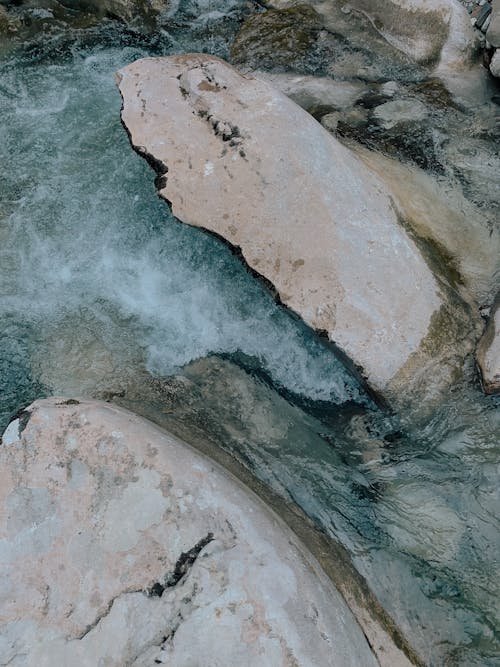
x=99, y=284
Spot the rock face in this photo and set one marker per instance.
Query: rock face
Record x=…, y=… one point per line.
x=441, y=216
x=315, y=92
x=495, y=64
x=246, y=163
x=277, y=37
x=488, y=352
x=121, y=545
x=435, y=35
x=493, y=32
x=434, y=31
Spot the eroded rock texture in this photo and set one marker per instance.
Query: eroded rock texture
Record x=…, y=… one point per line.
x=238, y=158
x=122, y=546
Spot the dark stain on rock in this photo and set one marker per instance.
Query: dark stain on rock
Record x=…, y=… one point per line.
x=24, y=416
x=205, y=85
x=183, y=565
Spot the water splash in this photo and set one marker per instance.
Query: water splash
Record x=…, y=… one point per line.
x=85, y=239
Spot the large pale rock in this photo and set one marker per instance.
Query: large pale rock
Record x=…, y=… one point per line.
x=248, y=164
x=488, y=352
x=466, y=242
x=429, y=31
x=122, y=546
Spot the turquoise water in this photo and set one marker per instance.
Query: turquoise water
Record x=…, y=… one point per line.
x=99, y=282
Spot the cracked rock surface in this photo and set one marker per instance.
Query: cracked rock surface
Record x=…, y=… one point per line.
x=122, y=546
x=237, y=157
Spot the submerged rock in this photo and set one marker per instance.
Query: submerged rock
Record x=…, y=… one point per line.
x=315, y=92
x=400, y=112
x=488, y=352
x=247, y=164
x=9, y=25
x=121, y=545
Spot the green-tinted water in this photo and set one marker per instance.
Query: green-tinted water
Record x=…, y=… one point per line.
x=98, y=283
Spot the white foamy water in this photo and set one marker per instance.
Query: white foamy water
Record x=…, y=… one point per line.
x=97, y=281
x=84, y=238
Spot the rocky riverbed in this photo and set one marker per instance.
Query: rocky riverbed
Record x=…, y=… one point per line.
x=105, y=294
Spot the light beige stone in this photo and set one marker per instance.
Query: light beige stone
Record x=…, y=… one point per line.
x=98, y=506
x=464, y=237
x=311, y=92
x=488, y=352
x=247, y=163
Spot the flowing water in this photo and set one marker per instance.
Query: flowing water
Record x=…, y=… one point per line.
x=100, y=285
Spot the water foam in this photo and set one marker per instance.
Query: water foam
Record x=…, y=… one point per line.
x=84, y=235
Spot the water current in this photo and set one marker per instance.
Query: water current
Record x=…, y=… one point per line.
x=99, y=284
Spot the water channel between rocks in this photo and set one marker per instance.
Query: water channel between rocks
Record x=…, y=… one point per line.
x=103, y=293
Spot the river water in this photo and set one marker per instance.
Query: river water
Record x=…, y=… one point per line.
x=100, y=285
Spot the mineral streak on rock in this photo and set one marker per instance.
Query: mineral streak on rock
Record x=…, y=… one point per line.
x=249, y=165
x=123, y=546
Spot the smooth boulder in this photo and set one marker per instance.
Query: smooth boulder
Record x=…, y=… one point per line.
x=122, y=546
x=238, y=158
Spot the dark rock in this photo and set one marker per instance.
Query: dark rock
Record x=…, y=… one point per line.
x=277, y=37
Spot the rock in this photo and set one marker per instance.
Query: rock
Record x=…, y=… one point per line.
x=400, y=112
x=483, y=13
x=437, y=31
x=9, y=25
x=493, y=32
x=488, y=352
x=315, y=92
x=436, y=35
x=389, y=88
x=121, y=545
x=249, y=165
x=124, y=10
x=421, y=521
x=276, y=38
x=439, y=214
x=47, y=14
x=495, y=64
